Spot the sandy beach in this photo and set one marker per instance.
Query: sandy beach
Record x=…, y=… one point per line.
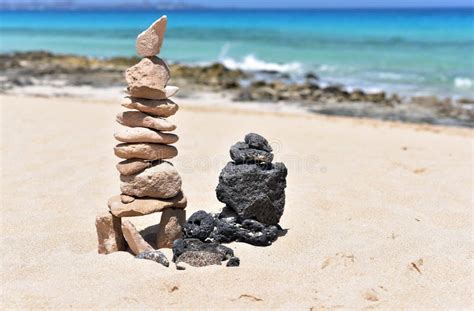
x=378, y=214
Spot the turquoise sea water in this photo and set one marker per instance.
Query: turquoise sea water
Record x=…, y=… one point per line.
x=408, y=51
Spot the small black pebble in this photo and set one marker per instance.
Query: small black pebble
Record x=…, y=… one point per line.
x=233, y=262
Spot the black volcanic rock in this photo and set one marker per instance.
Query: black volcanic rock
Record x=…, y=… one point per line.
x=229, y=228
x=259, y=142
x=242, y=153
x=233, y=262
x=199, y=225
x=254, y=191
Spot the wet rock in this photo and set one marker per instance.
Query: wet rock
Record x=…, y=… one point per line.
x=159, y=108
x=199, y=258
x=170, y=228
x=200, y=225
x=132, y=166
x=233, y=262
x=160, y=181
x=254, y=191
x=109, y=233
x=144, y=206
x=140, y=119
x=148, y=78
x=154, y=255
x=149, y=41
x=145, y=135
x=181, y=246
x=145, y=151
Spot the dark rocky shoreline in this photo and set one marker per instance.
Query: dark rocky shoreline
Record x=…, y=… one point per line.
x=25, y=69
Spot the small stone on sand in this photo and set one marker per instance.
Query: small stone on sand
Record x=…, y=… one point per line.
x=109, y=233
x=170, y=228
x=135, y=241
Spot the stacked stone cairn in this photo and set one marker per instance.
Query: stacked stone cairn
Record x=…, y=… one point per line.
x=253, y=189
x=149, y=183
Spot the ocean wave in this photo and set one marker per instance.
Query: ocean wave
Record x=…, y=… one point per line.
x=463, y=83
x=252, y=63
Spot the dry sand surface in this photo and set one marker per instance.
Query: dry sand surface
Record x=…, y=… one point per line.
x=379, y=215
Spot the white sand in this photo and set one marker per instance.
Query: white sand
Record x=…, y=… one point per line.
x=367, y=201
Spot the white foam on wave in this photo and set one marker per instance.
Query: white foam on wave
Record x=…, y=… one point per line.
x=252, y=63
x=463, y=83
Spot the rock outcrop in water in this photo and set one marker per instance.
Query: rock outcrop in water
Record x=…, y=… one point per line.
x=148, y=183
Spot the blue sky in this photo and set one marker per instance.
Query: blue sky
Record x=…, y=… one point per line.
x=295, y=3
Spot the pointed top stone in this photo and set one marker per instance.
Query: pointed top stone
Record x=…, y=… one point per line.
x=149, y=42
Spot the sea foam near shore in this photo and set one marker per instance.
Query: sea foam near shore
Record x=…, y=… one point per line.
x=404, y=51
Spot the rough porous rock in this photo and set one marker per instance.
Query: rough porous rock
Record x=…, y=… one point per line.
x=254, y=191
x=170, y=227
x=154, y=255
x=181, y=246
x=233, y=262
x=144, y=206
x=200, y=225
x=229, y=227
x=199, y=258
x=160, y=181
x=132, y=166
x=159, y=108
x=149, y=41
x=144, y=135
x=242, y=153
x=109, y=233
x=145, y=151
x=134, y=240
x=259, y=142
x=148, y=78
x=140, y=119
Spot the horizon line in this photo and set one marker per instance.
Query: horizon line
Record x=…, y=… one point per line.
x=138, y=8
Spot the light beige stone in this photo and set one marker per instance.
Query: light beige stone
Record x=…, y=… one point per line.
x=140, y=119
x=170, y=228
x=132, y=166
x=156, y=107
x=149, y=42
x=109, y=233
x=126, y=198
x=134, y=240
x=145, y=151
x=144, y=135
x=158, y=95
x=171, y=90
x=148, y=78
x=144, y=206
x=160, y=181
